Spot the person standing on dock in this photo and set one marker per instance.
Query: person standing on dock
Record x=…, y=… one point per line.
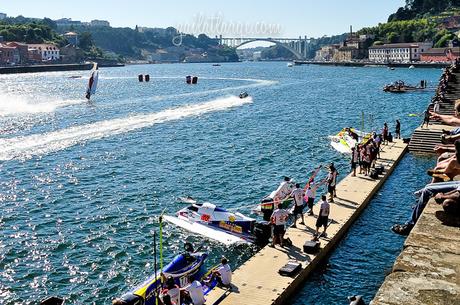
x=310, y=194
x=323, y=216
x=354, y=160
x=398, y=129
x=297, y=194
x=385, y=133
x=426, y=119
x=332, y=181
x=278, y=219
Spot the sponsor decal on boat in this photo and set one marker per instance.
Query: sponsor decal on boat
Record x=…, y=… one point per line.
x=231, y=227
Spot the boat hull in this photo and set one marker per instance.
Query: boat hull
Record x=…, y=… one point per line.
x=208, y=231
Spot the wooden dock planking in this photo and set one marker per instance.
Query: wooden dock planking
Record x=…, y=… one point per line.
x=257, y=282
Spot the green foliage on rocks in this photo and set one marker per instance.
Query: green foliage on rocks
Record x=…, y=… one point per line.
x=29, y=31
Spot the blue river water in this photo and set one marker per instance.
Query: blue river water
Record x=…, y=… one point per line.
x=82, y=184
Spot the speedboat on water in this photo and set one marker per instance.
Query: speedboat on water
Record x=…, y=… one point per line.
x=244, y=94
x=290, y=64
x=348, y=138
x=184, y=267
x=400, y=87
x=221, y=225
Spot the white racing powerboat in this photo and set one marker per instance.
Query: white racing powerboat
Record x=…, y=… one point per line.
x=221, y=225
x=348, y=138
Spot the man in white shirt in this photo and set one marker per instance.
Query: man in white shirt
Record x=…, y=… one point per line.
x=278, y=219
x=310, y=194
x=223, y=273
x=323, y=216
x=297, y=194
x=195, y=293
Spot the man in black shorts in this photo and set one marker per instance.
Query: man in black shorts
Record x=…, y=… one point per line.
x=278, y=219
x=323, y=216
x=298, y=194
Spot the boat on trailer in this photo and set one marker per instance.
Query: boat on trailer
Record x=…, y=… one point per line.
x=221, y=225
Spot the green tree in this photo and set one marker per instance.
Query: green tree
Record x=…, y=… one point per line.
x=392, y=37
x=443, y=41
x=50, y=23
x=85, y=41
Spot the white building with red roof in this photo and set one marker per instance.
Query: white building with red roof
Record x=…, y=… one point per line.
x=47, y=51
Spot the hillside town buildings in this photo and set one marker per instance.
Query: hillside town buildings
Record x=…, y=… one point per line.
x=398, y=52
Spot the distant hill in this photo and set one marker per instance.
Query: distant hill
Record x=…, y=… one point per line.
x=277, y=52
x=420, y=20
x=416, y=9
x=122, y=43
x=155, y=44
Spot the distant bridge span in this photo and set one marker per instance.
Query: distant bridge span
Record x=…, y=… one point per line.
x=297, y=46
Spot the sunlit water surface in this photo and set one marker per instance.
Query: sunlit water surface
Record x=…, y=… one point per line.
x=82, y=184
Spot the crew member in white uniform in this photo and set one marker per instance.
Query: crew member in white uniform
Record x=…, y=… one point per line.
x=195, y=292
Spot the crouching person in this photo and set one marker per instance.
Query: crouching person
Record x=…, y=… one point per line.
x=222, y=274
x=193, y=293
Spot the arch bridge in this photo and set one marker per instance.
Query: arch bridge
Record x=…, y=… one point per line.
x=297, y=46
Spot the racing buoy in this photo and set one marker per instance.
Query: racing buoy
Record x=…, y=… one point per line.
x=188, y=79
x=194, y=80
x=147, y=77
x=140, y=77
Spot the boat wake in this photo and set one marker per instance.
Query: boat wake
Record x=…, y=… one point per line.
x=25, y=147
x=255, y=83
x=11, y=105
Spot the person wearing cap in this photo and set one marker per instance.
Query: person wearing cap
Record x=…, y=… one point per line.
x=278, y=219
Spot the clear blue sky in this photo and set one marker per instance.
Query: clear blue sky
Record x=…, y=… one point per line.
x=313, y=18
